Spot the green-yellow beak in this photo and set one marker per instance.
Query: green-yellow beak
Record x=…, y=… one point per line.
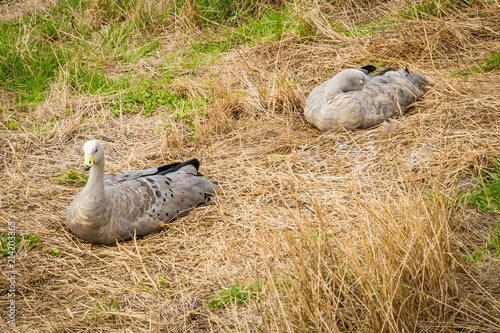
x=89, y=161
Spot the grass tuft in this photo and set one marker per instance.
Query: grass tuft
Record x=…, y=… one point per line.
x=427, y=9
x=72, y=177
x=486, y=196
x=4, y=244
x=102, y=306
x=236, y=294
x=489, y=250
x=29, y=241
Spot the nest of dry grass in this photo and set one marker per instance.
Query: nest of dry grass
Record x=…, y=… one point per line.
x=337, y=228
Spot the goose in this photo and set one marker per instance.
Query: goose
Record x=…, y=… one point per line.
x=352, y=99
x=114, y=207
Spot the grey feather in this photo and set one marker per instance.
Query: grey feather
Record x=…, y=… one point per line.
x=352, y=99
x=114, y=207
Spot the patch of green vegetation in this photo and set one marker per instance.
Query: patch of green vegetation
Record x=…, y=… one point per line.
x=100, y=306
x=491, y=249
x=143, y=51
x=144, y=96
x=424, y=9
x=95, y=82
x=54, y=253
x=226, y=12
x=490, y=64
x=11, y=124
x=72, y=177
x=486, y=195
x=235, y=294
x=37, y=48
x=266, y=25
x=6, y=242
x=269, y=26
x=77, y=42
x=188, y=111
x=457, y=73
x=486, y=198
x=29, y=62
x=31, y=241
x=117, y=44
x=5, y=249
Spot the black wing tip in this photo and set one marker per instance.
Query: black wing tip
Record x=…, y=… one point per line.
x=194, y=162
x=176, y=166
x=369, y=68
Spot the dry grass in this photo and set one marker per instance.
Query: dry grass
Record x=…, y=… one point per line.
x=344, y=232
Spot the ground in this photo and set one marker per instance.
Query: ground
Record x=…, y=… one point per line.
x=343, y=231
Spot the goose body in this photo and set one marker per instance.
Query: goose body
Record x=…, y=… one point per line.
x=114, y=207
x=352, y=99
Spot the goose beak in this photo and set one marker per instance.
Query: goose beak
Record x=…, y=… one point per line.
x=89, y=162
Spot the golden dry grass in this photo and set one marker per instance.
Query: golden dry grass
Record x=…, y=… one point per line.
x=344, y=231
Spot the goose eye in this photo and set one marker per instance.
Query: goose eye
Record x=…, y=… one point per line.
x=95, y=151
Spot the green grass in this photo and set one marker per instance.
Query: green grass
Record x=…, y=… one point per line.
x=486, y=195
x=4, y=246
x=61, y=45
x=145, y=97
x=229, y=12
x=102, y=305
x=269, y=26
x=491, y=249
x=39, y=48
x=425, y=9
x=29, y=62
x=486, y=198
x=236, y=294
x=29, y=241
x=72, y=177
x=54, y=253
x=490, y=64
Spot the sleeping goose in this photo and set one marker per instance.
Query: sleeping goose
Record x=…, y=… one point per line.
x=114, y=207
x=352, y=99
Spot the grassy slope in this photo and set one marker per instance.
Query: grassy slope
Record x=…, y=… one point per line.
x=310, y=232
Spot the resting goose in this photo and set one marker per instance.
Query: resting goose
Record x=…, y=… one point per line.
x=114, y=207
x=352, y=99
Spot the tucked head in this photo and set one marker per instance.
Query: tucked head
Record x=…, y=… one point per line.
x=94, y=153
x=354, y=79
x=347, y=80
